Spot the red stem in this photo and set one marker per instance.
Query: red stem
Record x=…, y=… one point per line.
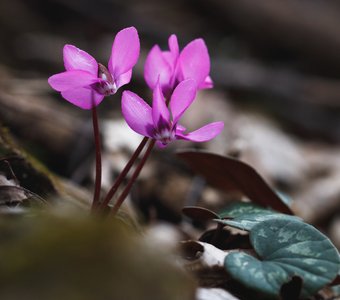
x=133, y=178
x=98, y=178
x=124, y=172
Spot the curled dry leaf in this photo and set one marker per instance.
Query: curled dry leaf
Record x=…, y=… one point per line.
x=229, y=174
x=200, y=214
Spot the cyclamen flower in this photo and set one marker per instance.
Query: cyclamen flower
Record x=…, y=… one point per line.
x=172, y=67
x=160, y=122
x=86, y=82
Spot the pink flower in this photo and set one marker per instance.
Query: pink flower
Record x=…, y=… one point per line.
x=160, y=122
x=173, y=66
x=85, y=80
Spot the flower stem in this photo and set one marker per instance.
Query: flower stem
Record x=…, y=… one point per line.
x=124, y=172
x=133, y=178
x=98, y=176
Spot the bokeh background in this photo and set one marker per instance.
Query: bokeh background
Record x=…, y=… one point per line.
x=276, y=69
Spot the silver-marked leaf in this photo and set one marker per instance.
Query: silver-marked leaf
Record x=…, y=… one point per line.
x=286, y=249
x=245, y=216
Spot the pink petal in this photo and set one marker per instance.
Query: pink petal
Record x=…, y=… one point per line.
x=76, y=59
x=207, y=84
x=180, y=128
x=194, y=61
x=173, y=45
x=170, y=59
x=137, y=113
x=123, y=79
x=160, y=112
x=202, y=134
x=156, y=66
x=82, y=97
x=160, y=145
x=125, y=51
x=182, y=97
x=172, y=55
x=71, y=79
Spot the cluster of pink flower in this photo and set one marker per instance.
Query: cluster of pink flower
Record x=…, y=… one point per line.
x=173, y=76
x=177, y=75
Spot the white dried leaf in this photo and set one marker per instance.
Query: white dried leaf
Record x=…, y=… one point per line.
x=204, y=255
x=163, y=235
x=212, y=256
x=274, y=153
x=10, y=191
x=5, y=181
x=213, y=294
x=118, y=135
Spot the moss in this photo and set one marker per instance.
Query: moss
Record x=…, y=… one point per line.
x=82, y=258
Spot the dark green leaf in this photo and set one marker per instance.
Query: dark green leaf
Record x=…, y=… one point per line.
x=286, y=249
x=245, y=216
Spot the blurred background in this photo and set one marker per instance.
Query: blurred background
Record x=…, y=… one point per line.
x=276, y=69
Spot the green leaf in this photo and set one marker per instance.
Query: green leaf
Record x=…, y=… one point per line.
x=245, y=216
x=285, y=249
